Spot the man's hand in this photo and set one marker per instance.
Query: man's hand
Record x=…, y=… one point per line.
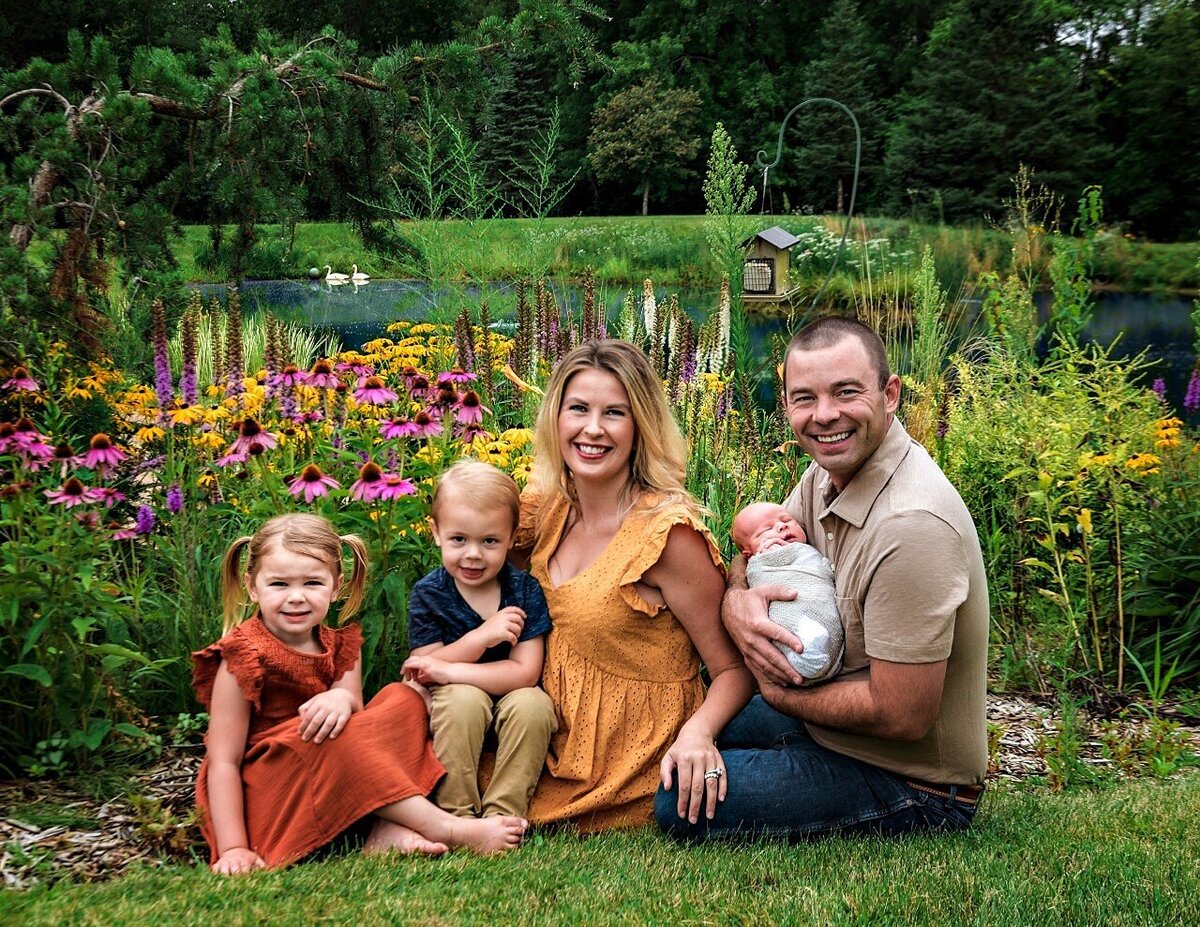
x=428, y=671
x=504, y=627
x=324, y=715
x=744, y=613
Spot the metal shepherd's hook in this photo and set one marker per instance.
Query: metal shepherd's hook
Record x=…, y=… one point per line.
x=761, y=160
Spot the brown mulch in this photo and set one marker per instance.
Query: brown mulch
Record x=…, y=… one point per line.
x=155, y=823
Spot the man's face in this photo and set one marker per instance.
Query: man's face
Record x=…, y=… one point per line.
x=836, y=408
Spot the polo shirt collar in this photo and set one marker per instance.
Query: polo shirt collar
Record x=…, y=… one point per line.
x=854, y=503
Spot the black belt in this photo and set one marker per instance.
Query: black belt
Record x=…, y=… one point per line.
x=967, y=794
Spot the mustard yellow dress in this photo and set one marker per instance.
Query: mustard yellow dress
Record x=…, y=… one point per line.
x=622, y=672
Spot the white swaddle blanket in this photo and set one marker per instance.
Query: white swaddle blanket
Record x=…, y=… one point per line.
x=812, y=616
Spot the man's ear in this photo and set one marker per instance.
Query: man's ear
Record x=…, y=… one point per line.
x=891, y=393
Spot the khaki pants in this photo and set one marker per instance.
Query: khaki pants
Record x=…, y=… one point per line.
x=460, y=717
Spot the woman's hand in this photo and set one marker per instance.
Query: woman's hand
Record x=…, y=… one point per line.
x=694, y=758
x=238, y=861
x=324, y=715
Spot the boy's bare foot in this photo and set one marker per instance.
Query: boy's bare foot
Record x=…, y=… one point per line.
x=386, y=836
x=488, y=835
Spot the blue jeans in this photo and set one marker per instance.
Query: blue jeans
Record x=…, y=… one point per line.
x=782, y=783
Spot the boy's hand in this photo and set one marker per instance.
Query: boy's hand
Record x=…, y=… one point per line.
x=428, y=671
x=504, y=627
x=324, y=715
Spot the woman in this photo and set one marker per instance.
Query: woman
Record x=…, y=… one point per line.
x=634, y=584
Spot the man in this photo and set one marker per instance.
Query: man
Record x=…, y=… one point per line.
x=897, y=742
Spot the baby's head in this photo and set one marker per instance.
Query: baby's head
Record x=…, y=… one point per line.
x=474, y=518
x=763, y=522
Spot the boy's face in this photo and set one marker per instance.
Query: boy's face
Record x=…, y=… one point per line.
x=474, y=541
x=762, y=525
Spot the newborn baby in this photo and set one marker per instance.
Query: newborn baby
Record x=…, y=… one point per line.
x=774, y=544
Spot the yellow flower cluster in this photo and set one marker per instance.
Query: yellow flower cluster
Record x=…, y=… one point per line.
x=1167, y=432
x=1144, y=463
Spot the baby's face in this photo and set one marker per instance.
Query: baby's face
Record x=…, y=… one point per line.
x=763, y=525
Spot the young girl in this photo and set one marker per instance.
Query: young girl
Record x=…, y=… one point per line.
x=293, y=757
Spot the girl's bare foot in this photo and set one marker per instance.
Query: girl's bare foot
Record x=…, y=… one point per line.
x=386, y=836
x=487, y=835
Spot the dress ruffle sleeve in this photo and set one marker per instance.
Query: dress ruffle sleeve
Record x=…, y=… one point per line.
x=346, y=649
x=243, y=660
x=650, y=552
x=526, y=534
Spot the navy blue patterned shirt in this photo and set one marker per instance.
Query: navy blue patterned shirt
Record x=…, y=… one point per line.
x=438, y=614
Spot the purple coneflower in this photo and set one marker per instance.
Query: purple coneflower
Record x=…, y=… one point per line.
x=250, y=437
x=21, y=381
x=102, y=456
x=125, y=534
x=472, y=432
x=419, y=386
x=372, y=390
x=446, y=396
x=358, y=368
x=427, y=425
x=71, y=494
x=469, y=410
x=108, y=496
x=88, y=519
x=175, y=500
x=369, y=484
x=395, y=486
x=398, y=428
x=312, y=483
x=65, y=456
x=144, y=519
x=233, y=457
x=322, y=376
x=457, y=375
x=290, y=376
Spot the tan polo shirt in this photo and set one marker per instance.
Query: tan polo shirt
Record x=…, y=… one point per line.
x=911, y=588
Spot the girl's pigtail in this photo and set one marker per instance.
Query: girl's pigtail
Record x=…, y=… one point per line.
x=232, y=601
x=355, y=587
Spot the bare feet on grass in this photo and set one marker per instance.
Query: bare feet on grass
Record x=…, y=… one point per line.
x=386, y=837
x=487, y=835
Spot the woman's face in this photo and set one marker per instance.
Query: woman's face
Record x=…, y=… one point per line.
x=596, y=431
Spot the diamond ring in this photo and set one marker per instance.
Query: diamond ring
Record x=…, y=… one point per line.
x=714, y=773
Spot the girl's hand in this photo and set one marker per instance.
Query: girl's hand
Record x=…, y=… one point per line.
x=691, y=757
x=428, y=671
x=238, y=861
x=324, y=715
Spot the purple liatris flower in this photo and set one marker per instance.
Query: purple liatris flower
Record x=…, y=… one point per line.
x=163, y=388
x=312, y=483
x=1159, y=386
x=145, y=519
x=1191, y=399
x=175, y=500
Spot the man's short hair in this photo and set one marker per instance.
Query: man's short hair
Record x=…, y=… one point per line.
x=826, y=332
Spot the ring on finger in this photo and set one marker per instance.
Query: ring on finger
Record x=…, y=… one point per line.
x=715, y=773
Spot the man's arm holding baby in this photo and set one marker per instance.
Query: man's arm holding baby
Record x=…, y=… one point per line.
x=895, y=701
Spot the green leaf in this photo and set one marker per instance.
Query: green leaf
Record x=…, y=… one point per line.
x=29, y=671
x=116, y=650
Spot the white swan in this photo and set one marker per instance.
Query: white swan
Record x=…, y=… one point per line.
x=331, y=277
x=358, y=276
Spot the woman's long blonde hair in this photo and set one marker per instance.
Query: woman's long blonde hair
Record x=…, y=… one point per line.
x=659, y=458
x=300, y=533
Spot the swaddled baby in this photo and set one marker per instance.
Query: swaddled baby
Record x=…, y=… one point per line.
x=774, y=544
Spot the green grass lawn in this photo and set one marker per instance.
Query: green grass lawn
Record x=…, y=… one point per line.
x=1124, y=854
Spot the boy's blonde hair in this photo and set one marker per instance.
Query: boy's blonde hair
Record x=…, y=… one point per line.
x=485, y=486
x=300, y=533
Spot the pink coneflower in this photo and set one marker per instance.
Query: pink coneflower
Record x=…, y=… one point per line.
x=307, y=418
x=372, y=390
x=446, y=396
x=24, y=439
x=410, y=374
x=88, y=519
x=71, y=494
x=395, y=486
x=251, y=438
x=358, y=368
x=322, y=376
x=427, y=425
x=471, y=433
x=312, y=483
x=398, y=428
x=233, y=457
x=125, y=534
x=369, y=484
x=457, y=375
x=469, y=410
x=289, y=376
x=419, y=386
x=101, y=455
x=21, y=381
x=108, y=496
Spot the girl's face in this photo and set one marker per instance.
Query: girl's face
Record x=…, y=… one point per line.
x=596, y=430
x=293, y=592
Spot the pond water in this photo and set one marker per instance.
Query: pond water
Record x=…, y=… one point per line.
x=1157, y=324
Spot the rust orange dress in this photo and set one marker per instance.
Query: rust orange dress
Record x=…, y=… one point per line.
x=622, y=672
x=299, y=796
